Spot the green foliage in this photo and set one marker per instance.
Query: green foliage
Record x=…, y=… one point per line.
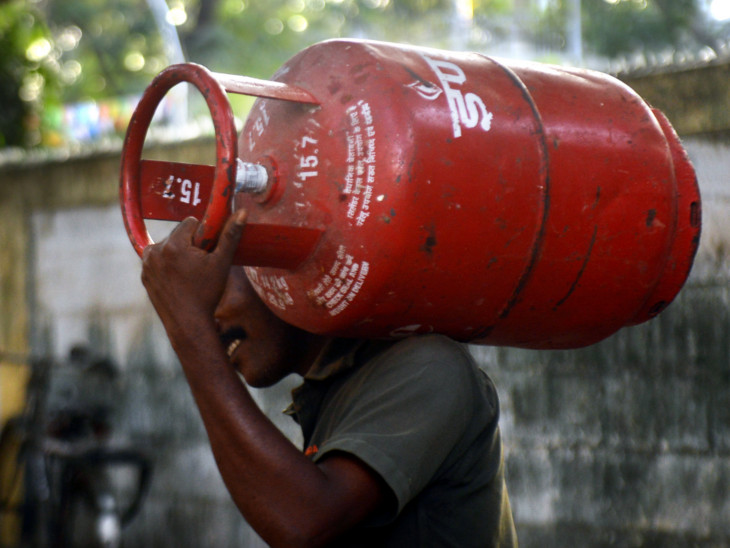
x=113, y=47
x=255, y=37
x=627, y=26
x=28, y=76
x=492, y=6
x=99, y=49
x=613, y=28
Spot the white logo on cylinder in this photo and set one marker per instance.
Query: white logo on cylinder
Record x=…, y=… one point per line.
x=466, y=109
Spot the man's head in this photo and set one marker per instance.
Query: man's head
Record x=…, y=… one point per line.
x=262, y=347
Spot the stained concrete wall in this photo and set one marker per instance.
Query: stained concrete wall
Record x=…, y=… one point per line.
x=695, y=98
x=624, y=443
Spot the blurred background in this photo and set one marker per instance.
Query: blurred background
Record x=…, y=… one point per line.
x=625, y=443
x=72, y=71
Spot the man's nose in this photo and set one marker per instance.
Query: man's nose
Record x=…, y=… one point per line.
x=230, y=301
x=238, y=296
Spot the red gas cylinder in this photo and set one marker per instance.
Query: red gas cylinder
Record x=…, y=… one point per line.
x=395, y=190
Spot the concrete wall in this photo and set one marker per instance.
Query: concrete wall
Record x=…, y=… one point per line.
x=695, y=98
x=624, y=443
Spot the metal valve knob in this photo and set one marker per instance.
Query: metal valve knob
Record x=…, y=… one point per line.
x=250, y=177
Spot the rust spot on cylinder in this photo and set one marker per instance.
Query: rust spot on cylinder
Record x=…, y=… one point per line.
x=694, y=214
x=598, y=197
x=650, y=216
x=430, y=242
x=657, y=308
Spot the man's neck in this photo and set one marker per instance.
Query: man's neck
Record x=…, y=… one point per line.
x=315, y=346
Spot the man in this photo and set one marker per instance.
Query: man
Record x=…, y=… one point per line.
x=403, y=447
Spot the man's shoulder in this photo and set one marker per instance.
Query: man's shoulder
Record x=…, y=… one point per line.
x=429, y=343
x=435, y=357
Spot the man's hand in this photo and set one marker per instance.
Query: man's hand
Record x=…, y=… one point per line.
x=185, y=283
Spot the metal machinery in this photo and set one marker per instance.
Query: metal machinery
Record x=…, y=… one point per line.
x=395, y=190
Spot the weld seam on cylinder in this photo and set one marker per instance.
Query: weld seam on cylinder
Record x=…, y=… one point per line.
x=545, y=165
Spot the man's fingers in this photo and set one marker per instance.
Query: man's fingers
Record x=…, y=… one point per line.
x=185, y=229
x=231, y=235
x=184, y=232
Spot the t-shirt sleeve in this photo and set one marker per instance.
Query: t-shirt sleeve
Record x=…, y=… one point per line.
x=404, y=412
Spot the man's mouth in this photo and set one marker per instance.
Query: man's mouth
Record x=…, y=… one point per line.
x=232, y=347
x=232, y=339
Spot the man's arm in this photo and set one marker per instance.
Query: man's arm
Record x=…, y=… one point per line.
x=287, y=499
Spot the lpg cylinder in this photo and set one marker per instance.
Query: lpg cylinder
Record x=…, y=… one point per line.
x=395, y=190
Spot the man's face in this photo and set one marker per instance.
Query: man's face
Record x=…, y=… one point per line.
x=263, y=348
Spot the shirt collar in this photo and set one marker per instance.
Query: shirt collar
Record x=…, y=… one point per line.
x=336, y=356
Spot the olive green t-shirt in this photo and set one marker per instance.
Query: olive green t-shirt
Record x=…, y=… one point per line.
x=421, y=414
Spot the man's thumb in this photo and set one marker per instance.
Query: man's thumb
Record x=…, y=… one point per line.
x=231, y=235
